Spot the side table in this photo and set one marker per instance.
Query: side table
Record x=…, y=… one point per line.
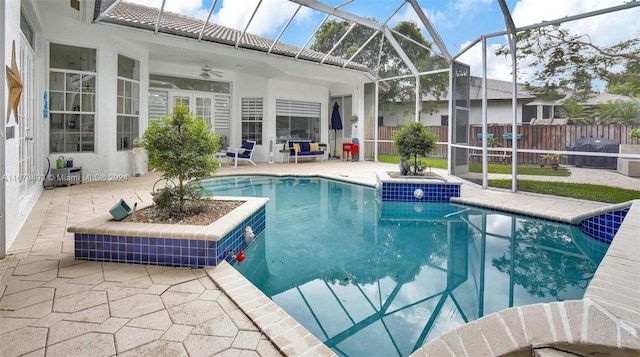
x=67, y=176
x=284, y=153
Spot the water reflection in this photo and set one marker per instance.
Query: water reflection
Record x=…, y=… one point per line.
x=380, y=279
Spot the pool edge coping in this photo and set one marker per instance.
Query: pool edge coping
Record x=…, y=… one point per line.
x=287, y=334
x=550, y=324
x=573, y=325
x=106, y=225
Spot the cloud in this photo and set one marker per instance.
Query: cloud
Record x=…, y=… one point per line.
x=449, y=17
x=604, y=29
x=192, y=8
x=269, y=19
x=498, y=67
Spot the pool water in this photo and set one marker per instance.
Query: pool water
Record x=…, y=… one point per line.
x=372, y=278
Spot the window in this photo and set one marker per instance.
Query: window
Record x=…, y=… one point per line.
x=72, y=84
x=222, y=114
x=529, y=112
x=252, y=119
x=297, y=120
x=158, y=104
x=444, y=120
x=27, y=30
x=128, y=102
x=190, y=84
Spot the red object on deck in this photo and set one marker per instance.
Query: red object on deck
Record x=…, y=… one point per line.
x=350, y=151
x=240, y=256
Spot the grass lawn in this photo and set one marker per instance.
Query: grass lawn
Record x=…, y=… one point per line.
x=395, y=159
x=522, y=170
x=583, y=191
x=493, y=168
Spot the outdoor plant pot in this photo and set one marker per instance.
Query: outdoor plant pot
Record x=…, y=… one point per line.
x=552, y=159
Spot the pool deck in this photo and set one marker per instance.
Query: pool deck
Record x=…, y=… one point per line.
x=51, y=304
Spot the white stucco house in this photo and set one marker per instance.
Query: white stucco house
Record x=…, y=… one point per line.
x=499, y=106
x=94, y=73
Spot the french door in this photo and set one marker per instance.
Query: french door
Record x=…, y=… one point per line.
x=26, y=129
x=213, y=108
x=201, y=104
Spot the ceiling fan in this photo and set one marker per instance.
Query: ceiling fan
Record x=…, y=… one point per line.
x=207, y=72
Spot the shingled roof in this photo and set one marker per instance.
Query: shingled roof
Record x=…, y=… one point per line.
x=498, y=90
x=143, y=17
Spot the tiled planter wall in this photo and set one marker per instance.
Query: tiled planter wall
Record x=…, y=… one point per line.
x=105, y=240
x=431, y=192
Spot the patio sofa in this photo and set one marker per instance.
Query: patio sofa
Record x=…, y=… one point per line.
x=304, y=149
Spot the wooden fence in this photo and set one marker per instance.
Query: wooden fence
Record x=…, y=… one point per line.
x=535, y=137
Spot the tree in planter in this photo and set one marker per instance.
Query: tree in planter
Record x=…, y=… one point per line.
x=412, y=141
x=182, y=147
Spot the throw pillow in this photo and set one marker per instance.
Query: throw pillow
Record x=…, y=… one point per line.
x=296, y=147
x=314, y=147
x=248, y=147
x=304, y=146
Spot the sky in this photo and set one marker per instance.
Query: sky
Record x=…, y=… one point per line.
x=458, y=22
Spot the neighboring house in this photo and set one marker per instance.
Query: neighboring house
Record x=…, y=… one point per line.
x=589, y=106
x=95, y=72
x=602, y=98
x=499, y=107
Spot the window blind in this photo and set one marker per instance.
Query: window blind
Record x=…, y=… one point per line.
x=294, y=108
x=158, y=104
x=252, y=109
x=222, y=112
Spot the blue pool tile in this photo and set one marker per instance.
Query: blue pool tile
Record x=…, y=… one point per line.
x=605, y=226
x=166, y=251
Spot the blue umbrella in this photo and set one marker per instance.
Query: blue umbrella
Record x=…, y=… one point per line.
x=336, y=124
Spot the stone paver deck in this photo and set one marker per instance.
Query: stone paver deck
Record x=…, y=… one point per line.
x=53, y=305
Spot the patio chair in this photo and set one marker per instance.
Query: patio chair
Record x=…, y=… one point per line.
x=243, y=153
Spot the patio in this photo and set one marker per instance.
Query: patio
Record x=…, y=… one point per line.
x=52, y=304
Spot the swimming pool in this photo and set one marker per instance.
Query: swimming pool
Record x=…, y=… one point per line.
x=372, y=278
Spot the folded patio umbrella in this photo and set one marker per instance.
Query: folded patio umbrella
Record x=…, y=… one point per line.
x=336, y=124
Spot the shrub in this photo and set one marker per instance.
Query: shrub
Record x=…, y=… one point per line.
x=634, y=133
x=182, y=147
x=414, y=140
x=423, y=163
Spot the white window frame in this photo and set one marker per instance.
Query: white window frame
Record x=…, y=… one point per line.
x=127, y=108
x=78, y=114
x=252, y=114
x=297, y=110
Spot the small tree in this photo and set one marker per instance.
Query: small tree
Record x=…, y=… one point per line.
x=414, y=140
x=634, y=134
x=182, y=147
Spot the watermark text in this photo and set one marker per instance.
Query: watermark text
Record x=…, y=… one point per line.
x=66, y=178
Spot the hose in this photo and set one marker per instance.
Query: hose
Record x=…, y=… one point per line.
x=46, y=177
